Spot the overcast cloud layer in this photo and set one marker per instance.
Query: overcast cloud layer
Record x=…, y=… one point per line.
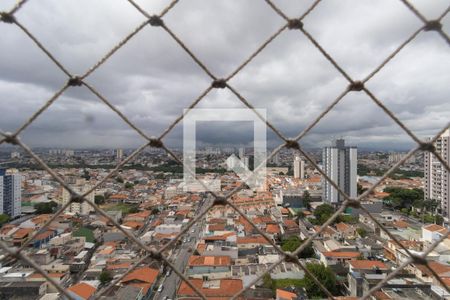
x=151, y=79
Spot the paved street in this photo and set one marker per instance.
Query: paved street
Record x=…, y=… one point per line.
x=180, y=258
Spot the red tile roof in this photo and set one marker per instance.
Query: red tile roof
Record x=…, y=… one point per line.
x=252, y=240
x=368, y=264
x=216, y=227
x=437, y=267
x=209, y=261
x=290, y=224
x=343, y=254
x=83, y=290
x=225, y=288
x=342, y=227
x=401, y=224
x=272, y=228
x=435, y=227
x=285, y=295
x=143, y=275
x=22, y=233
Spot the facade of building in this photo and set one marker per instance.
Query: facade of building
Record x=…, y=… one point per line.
x=299, y=168
x=10, y=193
x=340, y=165
x=395, y=157
x=119, y=154
x=437, y=178
x=78, y=208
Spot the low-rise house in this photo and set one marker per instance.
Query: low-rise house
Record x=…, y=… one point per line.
x=128, y=293
x=290, y=227
x=21, y=236
x=392, y=248
x=432, y=232
x=41, y=257
x=60, y=278
x=327, y=233
x=23, y=290
x=168, y=228
x=212, y=289
x=367, y=266
x=43, y=238
x=331, y=258
x=82, y=290
x=249, y=242
x=218, y=249
x=144, y=278
x=138, y=217
x=345, y=231
x=134, y=225
x=422, y=273
x=211, y=267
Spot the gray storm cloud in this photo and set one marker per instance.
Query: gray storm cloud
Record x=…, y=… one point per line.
x=151, y=79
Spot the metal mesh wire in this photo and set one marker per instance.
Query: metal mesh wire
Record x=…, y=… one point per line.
x=354, y=85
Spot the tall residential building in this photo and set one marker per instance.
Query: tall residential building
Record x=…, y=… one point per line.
x=340, y=164
x=78, y=208
x=10, y=193
x=246, y=162
x=395, y=157
x=241, y=153
x=437, y=178
x=299, y=167
x=119, y=154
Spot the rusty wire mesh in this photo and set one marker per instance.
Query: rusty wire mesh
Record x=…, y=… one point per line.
x=354, y=85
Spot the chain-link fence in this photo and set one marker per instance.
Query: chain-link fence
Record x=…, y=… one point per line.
x=296, y=24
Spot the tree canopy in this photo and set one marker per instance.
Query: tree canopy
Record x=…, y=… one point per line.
x=325, y=275
x=323, y=213
x=45, y=207
x=105, y=277
x=293, y=242
x=4, y=219
x=402, y=198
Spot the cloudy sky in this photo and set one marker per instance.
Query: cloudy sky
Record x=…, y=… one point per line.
x=151, y=79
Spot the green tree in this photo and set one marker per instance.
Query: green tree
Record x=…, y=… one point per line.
x=129, y=185
x=439, y=219
x=360, y=189
x=293, y=242
x=45, y=207
x=402, y=198
x=267, y=281
x=86, y=175
x=361, y=232
x=105, y=277
x=4, y=219
x=323, y=213
x=306, y=200
x=99, y=199
x=133, y=209
x=347, y=219
x=325, y=275
x=119, y=179
x=431, y=205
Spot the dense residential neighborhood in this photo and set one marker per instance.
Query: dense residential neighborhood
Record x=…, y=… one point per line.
x=225, y=250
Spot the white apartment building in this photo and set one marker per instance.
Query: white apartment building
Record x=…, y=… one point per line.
x=299, y=168
x=10, y=192
x=437, y=178
x=340, y=164
x=83, y=208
